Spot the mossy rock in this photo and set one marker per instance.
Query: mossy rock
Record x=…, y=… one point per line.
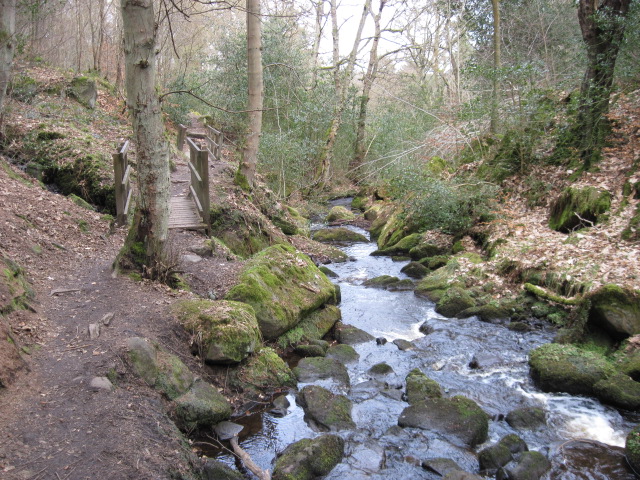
x=217, y=248
x=420, y=387
x=310, y=350
x=202, y=406
x=320, y=368
x=373, y=212
x=632, y=448
x=340, y=214
x=283, y=286
x=81, y=202
x=494, y=457
x=529, y=466
x=308, y=458
x=264, y=371
x=615, y=309
x=343, y=353
x=397, y=227
x=415, y=270
x=328, y=272
x=527, y=418
x=383, y=281
x=158, y=368
x=404, y=285
x=312, y=327
x=579, y=208
x=382, y=213
x=486, y=313
x=402, y=247
x=324, y=410
x=566, y=368
x=458, y=417
x=627, y=361
x=454, y=301
x=425, y=249
x=381, y=368
x=619, y=390
x=84, y=90
x=215, y=470
x=223, y=331
x=435, y=262
x=338, y=235
x=350, y=335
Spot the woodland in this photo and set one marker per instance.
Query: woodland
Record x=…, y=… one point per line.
x=489, y=152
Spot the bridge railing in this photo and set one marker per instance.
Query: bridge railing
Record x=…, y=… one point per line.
x=199, y=186
x=122, y=177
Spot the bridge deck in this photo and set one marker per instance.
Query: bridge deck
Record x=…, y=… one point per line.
x=184, y=214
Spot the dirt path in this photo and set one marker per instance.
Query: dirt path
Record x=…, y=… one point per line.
x=54, y=424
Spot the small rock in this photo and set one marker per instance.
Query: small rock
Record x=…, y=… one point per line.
x=107, y=318
x=482, y=360
x=381, y=341
x=101, y=383
x=227, y=430
x=426, y=329
x=404, y=345
x=94, y=331
x=191, y=258
x=280, y=405
x=440, y=466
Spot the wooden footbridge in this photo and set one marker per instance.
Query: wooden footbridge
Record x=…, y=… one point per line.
x=189, y=212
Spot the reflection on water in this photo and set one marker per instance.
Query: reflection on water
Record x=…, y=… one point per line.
x=377, y=448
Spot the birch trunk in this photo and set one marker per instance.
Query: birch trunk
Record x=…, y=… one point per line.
x=7, y=46
x=150, y=226
x=249, y=162
x=495, y=4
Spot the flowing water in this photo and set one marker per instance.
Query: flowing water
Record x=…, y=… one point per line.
x=583, y=437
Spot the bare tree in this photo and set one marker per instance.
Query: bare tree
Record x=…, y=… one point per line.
x=145, y=245
x=7, y=46
x=247, y=170
x=495, y=80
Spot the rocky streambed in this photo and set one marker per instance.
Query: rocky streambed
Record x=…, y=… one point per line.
x=407, y=393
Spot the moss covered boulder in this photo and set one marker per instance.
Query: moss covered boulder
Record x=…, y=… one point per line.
x=158, y=368
x=283, y=286
x=615, y=309
x=414, y=270
x=579, y=208
x=619, y=390
x=453, y=301
x=402, y=247
x=84, y=90
x=420, y=387
x=309, y=458
x=343, y=353
x=458, y=417
x=527, y=418
x=263, y=371
x=383, y=281
x=340, y=214
x=397, y=227
x=320, y=368
x=338, y=235
x=528, y=466
x=350, y=335
x=567, y=368
x=223, y=331
x=312, y=327
x=202, y=406
x=488, y=312
x=632, y=448
x=325, y=411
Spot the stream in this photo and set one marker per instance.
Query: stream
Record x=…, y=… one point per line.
x=583, y=438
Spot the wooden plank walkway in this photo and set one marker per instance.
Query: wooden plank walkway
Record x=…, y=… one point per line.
x=184, y=214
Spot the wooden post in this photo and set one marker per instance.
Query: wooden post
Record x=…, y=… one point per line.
x=182, y=133
x=122, y=177
x=203, y=160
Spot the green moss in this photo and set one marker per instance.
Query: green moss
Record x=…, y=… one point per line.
x=264, y=370
x=544, y=294
x=309, y=458
x=338, y=235
x=457, y=247
x=632, y=448
x=381, y=369
x=83, y=226
x=420, y=387
x=578, y=208
x=567, y=368
x=312, y=327
x=81, y=202
x=242, y=181
x=454, y=301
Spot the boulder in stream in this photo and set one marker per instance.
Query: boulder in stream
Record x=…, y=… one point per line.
x=283, y=286
x=497, y=456
x=350, y=335
x=309, y=458
x=343, y=353
x=615, y=309
x=619, y=390
x=310, y=350
x=312, y=327
x=440, y=466
x=528, y=466
x=459, y=417
x=415, y=270
x=263, y=371
x=526, y=418
x=461, y=475
x=420, y=387
x=319, y=368
x=453, y=301
x=632, y=448
x=324, y=410
x=215, y=470
x=339, y=214
x=338, y=235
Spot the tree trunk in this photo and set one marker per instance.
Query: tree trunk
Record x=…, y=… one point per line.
x=323, y=170
x=495, y=4
x=602, y=24
x=317, y=37
x=145, y=244
x=7, y=46
x=369, y=78
x=249, y=162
